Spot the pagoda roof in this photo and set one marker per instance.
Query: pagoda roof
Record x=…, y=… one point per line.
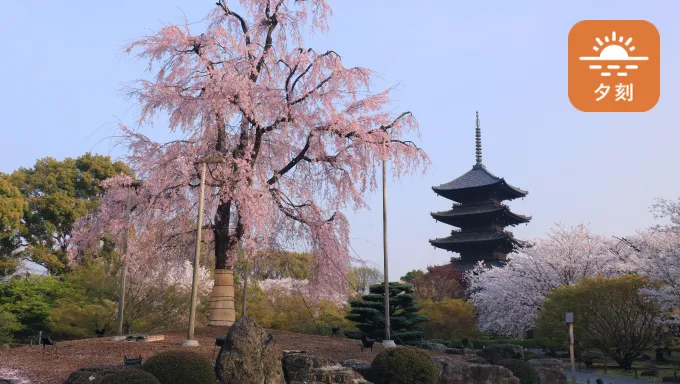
x=478, y=176
x=458, y=239
x=467, y=211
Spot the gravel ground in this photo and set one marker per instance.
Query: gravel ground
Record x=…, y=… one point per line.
x=28, y=365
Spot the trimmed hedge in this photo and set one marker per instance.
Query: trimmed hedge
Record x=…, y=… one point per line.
x=522, y=370
x=404, y=365
x=180, y=367
x=130, y=376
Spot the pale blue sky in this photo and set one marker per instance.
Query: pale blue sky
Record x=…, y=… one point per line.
x=63, y=69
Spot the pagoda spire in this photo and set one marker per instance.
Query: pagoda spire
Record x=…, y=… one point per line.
x=478, y=140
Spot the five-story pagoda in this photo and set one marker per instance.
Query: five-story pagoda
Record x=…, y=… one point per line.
x=480, y=214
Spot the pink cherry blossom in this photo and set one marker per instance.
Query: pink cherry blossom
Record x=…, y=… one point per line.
x=299, y=136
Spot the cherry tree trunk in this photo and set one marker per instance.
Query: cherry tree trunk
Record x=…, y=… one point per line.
x=222, y=313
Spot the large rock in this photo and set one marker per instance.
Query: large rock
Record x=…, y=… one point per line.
x=498, y=352
x=551, y=376
x=300, y=368
x=474, y=359
x=453, y=371
x=94, y=374
x=4, y=347
x=547, y=363
x=434, y=347
x=248, y=356
x=551, y=371
x=358, y=366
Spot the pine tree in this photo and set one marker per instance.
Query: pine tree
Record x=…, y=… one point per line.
x=369, y=313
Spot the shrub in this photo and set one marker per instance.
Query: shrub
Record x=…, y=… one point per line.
x=404, y=365
x=180, y=367
x=528, y=355
x=130, y=376
x=522, y=370
x=449, y=319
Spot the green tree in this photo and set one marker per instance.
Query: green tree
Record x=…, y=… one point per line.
x=57, y=194
x=409, y=276
x=611, y=315
x=9, y=325
x=31, y=300
x=12, y=206
x=369, y=314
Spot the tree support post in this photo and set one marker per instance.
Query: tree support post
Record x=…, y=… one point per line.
x=190, y=341
x=123, y=269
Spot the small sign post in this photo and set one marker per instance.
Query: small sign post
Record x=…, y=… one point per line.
x=569, y=319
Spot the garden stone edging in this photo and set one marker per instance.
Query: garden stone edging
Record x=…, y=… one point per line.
x=434, y=347
x=495, y=353
x=300, y=368
x=452, y=371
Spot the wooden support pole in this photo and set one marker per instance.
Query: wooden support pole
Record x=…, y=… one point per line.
x=197, y=258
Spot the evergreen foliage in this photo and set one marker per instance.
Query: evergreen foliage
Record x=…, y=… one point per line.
x=369, y=314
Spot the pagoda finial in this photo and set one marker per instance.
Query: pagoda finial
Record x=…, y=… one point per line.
x=478, y=140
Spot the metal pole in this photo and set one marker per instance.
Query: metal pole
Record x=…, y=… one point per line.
x=387, y=279
x=571, y=353
x=121, y=286
x=197, y=256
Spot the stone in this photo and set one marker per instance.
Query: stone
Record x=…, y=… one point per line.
x=452, y=371
x=547, y=363
x=650, y=372
x=358, y=366
x=248, y=356
x=551, y=376
x=497, y=352
x=94, y=374
x=454, y=351
x=4, y=347
x=307, y=369
x=474, y=359
x=434, y=347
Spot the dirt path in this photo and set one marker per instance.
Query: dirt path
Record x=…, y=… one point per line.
x=27, y=363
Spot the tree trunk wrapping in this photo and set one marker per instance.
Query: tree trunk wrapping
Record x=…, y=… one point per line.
x=222, y=313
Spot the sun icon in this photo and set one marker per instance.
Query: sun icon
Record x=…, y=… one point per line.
x=614, y=51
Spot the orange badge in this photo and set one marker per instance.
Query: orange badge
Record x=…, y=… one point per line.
x=614, y=66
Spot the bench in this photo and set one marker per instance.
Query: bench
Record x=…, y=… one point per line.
x=132, y=360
